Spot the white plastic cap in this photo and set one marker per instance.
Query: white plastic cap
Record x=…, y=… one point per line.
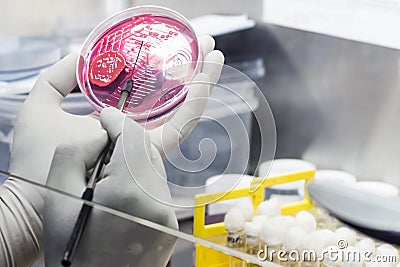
x=234, y=220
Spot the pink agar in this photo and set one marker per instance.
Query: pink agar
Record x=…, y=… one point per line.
x=167, y=60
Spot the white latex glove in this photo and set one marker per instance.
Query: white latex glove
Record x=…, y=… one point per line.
x=168, y=136
x=134, y=182
x=42, y=126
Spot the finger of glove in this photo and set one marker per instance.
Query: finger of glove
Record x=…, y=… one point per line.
x=132, y=162
x=168, y=136
x=213, y=63
x=115, y=122
x=72, y=161
x=207, y=44
x=127, y=131
x=55, y=83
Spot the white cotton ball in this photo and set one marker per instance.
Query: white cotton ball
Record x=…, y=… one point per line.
x=311, y=242
x=388, y=251
x=306, y=220
x=309, y=247
x=275, y=201
x=366, y=245
x=325, y=237
x=269, y=208
x=282, y=224
x=305, y=242
x=246, y=207
x=259, y=219
x=352, y=257
x=234, y=220
x=272, y=233
x=332, y=256
x=316, y=242
x=293, y=238
x=280, y=233
x=252, y=228
x=320, y=239
x=261, y=208
x=346, y=234
x=379, y=264
x=267, y=230
x=287, y=221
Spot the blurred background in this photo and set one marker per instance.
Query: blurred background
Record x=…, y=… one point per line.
x=329, y=69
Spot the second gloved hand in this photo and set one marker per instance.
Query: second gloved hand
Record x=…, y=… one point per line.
x=134, y=182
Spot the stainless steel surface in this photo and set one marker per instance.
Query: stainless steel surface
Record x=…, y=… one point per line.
x=335, y=102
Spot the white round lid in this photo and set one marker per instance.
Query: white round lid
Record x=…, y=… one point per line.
x=377, y=188
x=331, y=176
x=224, y=182
x=285, y=166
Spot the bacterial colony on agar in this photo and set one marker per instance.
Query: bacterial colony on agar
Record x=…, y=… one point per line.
x=159, y=53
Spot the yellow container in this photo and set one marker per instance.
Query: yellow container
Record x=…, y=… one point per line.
x=206, y=257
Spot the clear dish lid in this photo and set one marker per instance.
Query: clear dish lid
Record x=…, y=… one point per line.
x=154, y=47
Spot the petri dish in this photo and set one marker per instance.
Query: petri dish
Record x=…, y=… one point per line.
x=153, y=46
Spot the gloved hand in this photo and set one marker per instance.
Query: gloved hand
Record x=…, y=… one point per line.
x=168, y=136
x=42, y=126
x=134, y=182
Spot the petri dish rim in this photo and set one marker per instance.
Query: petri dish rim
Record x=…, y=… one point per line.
x=104, y=26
